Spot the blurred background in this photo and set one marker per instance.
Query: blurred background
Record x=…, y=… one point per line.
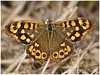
x=39, y=11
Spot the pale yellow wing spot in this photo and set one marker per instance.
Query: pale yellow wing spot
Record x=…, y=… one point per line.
x=63, y=44
x=36, y=25
x=19, y=24
x=33, y=53
x=63, y=24
x=23, y=37
x=73, y=23
x=65, y=51
x=22, y=31
x=11, y=26
x=68, y=48
x=31, y=48
x=85, y=27
x=68, y=33
x=80, y=22
x=73, y=38
x=77, y=28
x=15, y=31
x=16, y=38
x=67, y=23
x=77, y=34
x=71, y=31
x=26, y=25
x=28, y=40
x=32, y=35
x=87, y=22
x=36, y=45
x=31, y=26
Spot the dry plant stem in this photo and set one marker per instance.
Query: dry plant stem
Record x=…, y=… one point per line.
x=12, y=66
x=72, y=69
x=93, y=46
x=14, y=13
x=78, y=65
x=10, y=61
x=95, y=71
x=69, y=9
x=73, y=12
x=45, y=66
x=5, y=9
x=72, y=4
x=66, y=13
x=29, y=10
x=54, y=69
x=23, y=57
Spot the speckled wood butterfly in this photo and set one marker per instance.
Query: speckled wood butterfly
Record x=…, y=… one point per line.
x=54, y=40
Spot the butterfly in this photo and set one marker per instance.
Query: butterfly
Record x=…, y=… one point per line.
x=54, y=40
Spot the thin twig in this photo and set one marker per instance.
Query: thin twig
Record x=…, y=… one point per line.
x=45, y=66
x=13, y=14
x=12, y=66
x=71, y=70
x=22, y=59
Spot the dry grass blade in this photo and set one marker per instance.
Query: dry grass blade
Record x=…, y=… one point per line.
x=45, y=66
x=13, y=14
x=12, y=66
x=73, y=12
x=54, y=69
x=23, y=57
x=29, y=10
x=72, y=69
x=10, y=61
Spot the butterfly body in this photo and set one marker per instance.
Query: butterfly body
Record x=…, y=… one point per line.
x=54, y=40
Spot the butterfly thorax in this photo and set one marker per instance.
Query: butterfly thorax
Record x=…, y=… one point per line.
x=50, y=27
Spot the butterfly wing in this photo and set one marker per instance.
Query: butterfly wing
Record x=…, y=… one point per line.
x=75, y=29
x=23, y=31
x=39, y=49
x=60, y=46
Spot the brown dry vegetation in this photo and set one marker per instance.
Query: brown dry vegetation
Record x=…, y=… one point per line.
x=84, y=59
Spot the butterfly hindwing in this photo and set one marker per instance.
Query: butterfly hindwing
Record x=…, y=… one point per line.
x=23, y=31
x=39, y=49
x=75, y=29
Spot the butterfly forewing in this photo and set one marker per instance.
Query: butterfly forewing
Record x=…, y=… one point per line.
x=75, y=29
x=23, y=31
